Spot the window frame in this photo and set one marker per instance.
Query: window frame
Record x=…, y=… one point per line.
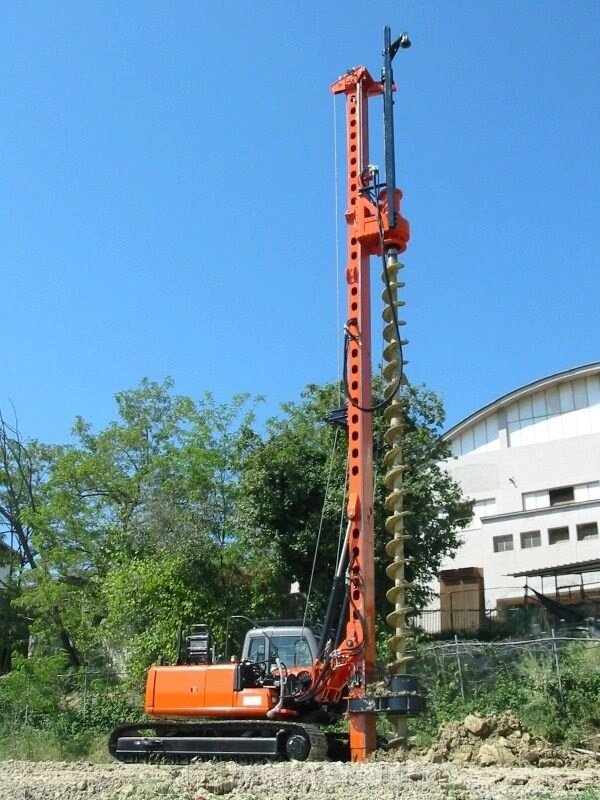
x=584, y=538
x=522, y=539
x=504, y=538
x=561, y=540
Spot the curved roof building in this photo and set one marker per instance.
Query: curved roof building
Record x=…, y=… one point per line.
x=531, y=462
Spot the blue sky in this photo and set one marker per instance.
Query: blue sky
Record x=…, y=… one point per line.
x=168, y=196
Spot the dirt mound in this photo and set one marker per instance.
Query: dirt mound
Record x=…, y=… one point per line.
x=500, y=741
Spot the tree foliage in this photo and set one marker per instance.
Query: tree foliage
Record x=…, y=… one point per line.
x=286, y=505
x=179, y=511
x=148, y=504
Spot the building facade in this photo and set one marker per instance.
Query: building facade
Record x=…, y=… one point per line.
x=531, y=463
x=4, y=554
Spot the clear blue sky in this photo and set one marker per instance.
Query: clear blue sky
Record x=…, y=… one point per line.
x=168, y=196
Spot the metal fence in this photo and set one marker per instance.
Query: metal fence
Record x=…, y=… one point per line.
x=533, y=613
x=436, y=622
x=472, y=664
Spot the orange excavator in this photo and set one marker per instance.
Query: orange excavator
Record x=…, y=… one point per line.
x=291, y=675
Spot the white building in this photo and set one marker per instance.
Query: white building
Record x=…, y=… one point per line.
x=531, y=462
x=4, y=552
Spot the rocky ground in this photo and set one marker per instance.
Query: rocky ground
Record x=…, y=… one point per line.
x=478, y=759
x=409, y=780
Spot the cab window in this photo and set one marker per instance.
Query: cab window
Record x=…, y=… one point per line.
x=291, y=651
x=256, y=651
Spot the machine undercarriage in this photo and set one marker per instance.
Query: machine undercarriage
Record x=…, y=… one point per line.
x=233, y=740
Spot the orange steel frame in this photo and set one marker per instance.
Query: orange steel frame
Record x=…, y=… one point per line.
x=366, y=225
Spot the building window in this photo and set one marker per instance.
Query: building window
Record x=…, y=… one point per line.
x=483, y=508
x=587, y=530
x=580, y=493
x=557, y=535
x=533, y=500
x=503, y=543
x=531, y=539
x=587, y=491
x=564, y=494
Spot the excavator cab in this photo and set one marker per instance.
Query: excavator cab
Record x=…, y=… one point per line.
x=295, y=646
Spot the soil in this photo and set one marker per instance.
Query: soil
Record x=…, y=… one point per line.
x=408, y=780
x=478, y=759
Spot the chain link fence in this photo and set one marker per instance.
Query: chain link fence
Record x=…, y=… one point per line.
x=476, y=664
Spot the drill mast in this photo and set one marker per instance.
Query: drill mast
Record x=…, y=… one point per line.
x=375, y=227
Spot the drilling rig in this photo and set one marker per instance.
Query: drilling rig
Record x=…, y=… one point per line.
x=292, y=676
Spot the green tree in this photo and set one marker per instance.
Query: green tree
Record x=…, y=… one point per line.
x=285, y=503
x=146, y=504
x=23, y=467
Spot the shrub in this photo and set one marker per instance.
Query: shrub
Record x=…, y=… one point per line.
x=561, y=705
x=49, y=712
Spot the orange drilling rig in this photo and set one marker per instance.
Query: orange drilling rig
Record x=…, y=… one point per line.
x=291, y=676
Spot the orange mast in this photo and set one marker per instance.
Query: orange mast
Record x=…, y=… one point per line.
x=371, y=230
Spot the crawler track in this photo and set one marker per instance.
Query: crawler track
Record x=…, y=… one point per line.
x=235, y=740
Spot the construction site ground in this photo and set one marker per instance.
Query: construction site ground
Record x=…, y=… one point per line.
x=477, y=759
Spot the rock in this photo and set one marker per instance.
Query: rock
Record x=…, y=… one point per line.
x=532, y=756
x=415, y=776
x=495, y=754
x=220, y=787
x=507, y=723
x=462, y=755
x=127, y=790
x=476, y=725
x=550, y=762
x=433, y=757
x=518, y=780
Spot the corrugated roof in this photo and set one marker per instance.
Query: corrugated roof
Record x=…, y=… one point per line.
x=516, y=394
x=574, y=568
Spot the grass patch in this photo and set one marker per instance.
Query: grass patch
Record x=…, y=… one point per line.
x=580, y=794
x=32, y=744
